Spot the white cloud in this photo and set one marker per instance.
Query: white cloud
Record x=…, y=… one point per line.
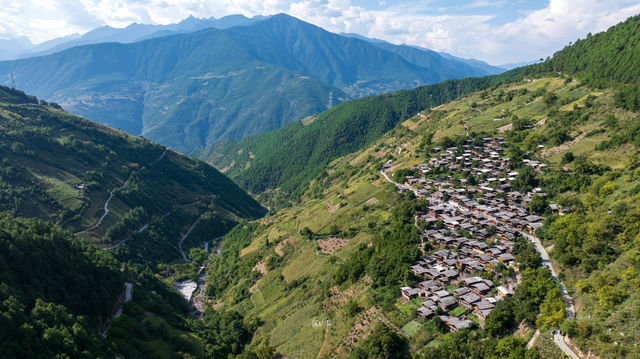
x=535, y=34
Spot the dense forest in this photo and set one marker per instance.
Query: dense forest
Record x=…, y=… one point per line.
x=56, y=291
x=59, y=293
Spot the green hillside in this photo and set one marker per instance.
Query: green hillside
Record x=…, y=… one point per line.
x=355, y=66
x=602, y=59
x=522, y=189
x=291, y=156
x=64, y=169
x=288, y=158
x=324, y=271
x=278, y=269
x=183, y=91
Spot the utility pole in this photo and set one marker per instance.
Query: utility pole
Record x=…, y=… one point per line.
x=330, y=98
x=12, y=76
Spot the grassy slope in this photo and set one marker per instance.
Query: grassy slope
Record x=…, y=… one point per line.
x=292, y=295
x=289, y=297
x=46, y=153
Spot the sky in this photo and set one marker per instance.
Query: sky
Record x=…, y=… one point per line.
x=496, y=31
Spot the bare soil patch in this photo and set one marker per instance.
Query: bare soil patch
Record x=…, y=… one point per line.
x=261, y=266
x=523, y=329
x=541, y=122
x=505, y=128
x=371, y=201
x=278, y=248
x=563, y=147
x=228, y=167
x=331, y=245
x=331, y=208
x=359, y=158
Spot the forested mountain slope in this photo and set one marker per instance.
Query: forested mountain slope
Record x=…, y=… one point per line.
x=357, y=67
x=426, y=58
x=105, y=184
x=188, y=90
x=183, y=91
x=59, y=295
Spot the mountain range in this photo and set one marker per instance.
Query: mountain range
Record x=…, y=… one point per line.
x=189, y=90
x=23, y=48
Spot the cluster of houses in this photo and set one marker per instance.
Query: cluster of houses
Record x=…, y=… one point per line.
x=473, y=228
x=445, y=270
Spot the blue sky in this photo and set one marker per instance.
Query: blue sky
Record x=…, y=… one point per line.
x=496, y=31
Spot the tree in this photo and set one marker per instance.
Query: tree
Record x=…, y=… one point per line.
x=609, y=296
x=549, y=98
x=500, y=319
x=307, y=233
x=552, y=309
x=351, y=309
x=525, y=254
x=568, y=157
x=526, y=179
x=383, y=343
x=537, y=205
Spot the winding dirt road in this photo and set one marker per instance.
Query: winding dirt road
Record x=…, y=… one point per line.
x=128, y=291
x=111, y=194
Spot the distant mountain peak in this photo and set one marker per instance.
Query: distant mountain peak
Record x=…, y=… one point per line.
x=189, y=19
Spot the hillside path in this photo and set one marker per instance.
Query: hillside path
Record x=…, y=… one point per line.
x=128, y=290
x=106, y=203
x=105, y=208
x=559, y=340
x=547, y=263
x=146, y=226
x=383, y=173
x=533, y=339
x=184, y=236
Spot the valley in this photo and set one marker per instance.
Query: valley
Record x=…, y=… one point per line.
x=474, y=217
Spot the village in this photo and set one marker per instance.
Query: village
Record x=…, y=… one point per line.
x=469, y=231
